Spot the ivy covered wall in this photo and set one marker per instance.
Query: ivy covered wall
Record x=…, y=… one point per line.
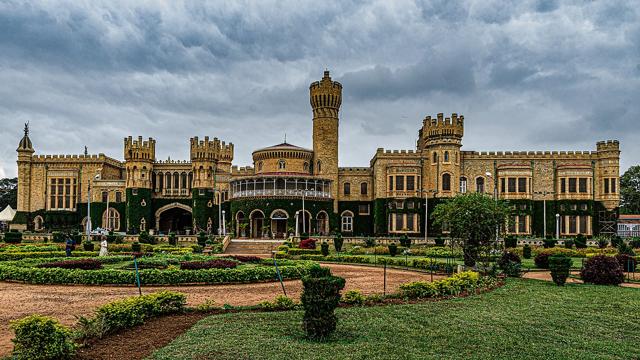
x=362, y=224
x=138, y=207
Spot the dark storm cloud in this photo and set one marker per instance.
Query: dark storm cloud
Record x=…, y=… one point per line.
x=554, y=75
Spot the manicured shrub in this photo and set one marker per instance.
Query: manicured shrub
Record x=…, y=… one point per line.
x=602, y=270
x=296, y=252
x=196, y=249
x=510, y=264
x=57, y=237
x=320, y=297
x=580, y=242
x=526, y=251
x=88, y=246
x=202, y=238
x=353, y=297
x=13, y=237
x=324, y=247
x=627, y=262
x=616, y=241
x=369, y=242
x=211, y=264
x=603, y=242
x=456, y=284
x=568, y=244
x=280, y=303
x=41, y=338
x=173, y=239
x=304, y=236
x=635, y=242
x=439, y=241
x=82, y=264
x=510, y=241
x=338, y=242
x=145, y=238
x=542, y=260
x=559, y=266
x=393, y=249
x=307, y=244
x=549, y=243
x=136, y=247
x=405, y=241
x=245, y=258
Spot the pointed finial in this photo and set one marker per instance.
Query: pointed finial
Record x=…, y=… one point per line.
x=86, y=151
x=26, y=129
x=285, y=138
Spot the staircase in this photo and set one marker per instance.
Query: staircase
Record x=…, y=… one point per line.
x=252, y=247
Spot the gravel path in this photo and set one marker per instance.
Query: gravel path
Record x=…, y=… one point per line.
x=66, y=302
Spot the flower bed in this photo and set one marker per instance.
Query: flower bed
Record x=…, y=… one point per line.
x=418, y=263
x=82, y=264
x=457, y=284
x=211, y=264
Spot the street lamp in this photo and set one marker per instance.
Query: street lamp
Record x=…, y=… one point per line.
x=224, y=227
x=557, y=226
x=426, y=213
x=88, y=225
x=304, y=225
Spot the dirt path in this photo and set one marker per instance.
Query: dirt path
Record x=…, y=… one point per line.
x=67, y=302
x=546, y=276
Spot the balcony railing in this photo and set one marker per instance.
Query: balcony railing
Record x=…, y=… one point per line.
x=175, y=192
x=281, y=192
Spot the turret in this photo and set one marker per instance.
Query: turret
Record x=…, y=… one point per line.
x=25, y=156
x=326, y=98
x=139, y=157
x=207, y=156
x=607, y=167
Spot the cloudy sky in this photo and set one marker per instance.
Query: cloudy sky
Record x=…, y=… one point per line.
x=527, y=75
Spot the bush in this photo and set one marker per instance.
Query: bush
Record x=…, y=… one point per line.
x=393, y=249
x=568, y=244
x=173, y=239
x=549, y=243
x=136, y=247
x=353, y=297
x=510, y=241
x=202, y=239
x=616, y=241
x=324, y=247
x=510, y=264
x=280, y=303
x=542, y=260
x=560, y=266
x=211, y=264
x=41, y=338
x=295, y=252
x=603, y=242
x=13, y=237
x=456, y=284
x=83, y=264
x=602, y=270
x=580, y=242
x=57, y=237
x=627, y=262
x=337, y=242
x=635, y=242
x=145, y=238
x=245, y=258
x=196, y=249
x=369, y=242
x=320, y=297
x=88, y=246
x=307, y=244
x=526, y=251
x=405, y=241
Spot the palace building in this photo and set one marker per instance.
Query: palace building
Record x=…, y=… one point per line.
x=292, y=189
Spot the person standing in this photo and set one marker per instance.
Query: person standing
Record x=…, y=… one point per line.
x=70, y=245
x=104, y=246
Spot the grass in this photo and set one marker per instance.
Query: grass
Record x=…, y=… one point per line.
x=526, y=319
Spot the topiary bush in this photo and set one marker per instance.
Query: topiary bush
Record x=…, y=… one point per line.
x=338, y=241
x=542, y=260
x=560, y=265
x=41, y=338
x=88, y=246
x=549, y=243
x=568, y=244
x=393, y=249
x=369, y=242
x=82, y=264
x=211, y=264
x=526, y=251
x=353, y=297
x=510, y=264
x=602, y=270
x=511, y=241
x=136, y=247
x=13, y=237
x=173, y=239
x=324, y=248
x=405, y=241
x=57, y=237
x=320, y=297
x=307, y=244
x=580, y=242
x=439, y=241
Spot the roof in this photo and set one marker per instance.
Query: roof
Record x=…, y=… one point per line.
x=628, y=217
x=7, y=214
x=283, y=146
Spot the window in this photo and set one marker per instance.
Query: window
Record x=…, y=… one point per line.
x=463, y=184
x=282, y=165
x=523, y=206
x=319, y=166
x=513, y=221
x=613, y=186
x=574, y=207
x=113, y=221
x=583, y=225
x=201, y=192
x=563, y=185
x=582, y=185
x=260, y=166
x=411, y=183
x=118, y=196
x=584, y=207
x=522, y=185
x=446, y=156
x=347, y=188
x=446, y=182
x=480, y=185
x=399, y=204
x=435, y=157
x=363, y=188
x=305, y=167
x=522, y=224
x=512, y=184
x=363, y=209
x=410, y=204
x=573, y=187
x=410, y=226
x=606, y=186
x=347, y=222
x=143, y=224
x=573, y=224
x=390, y=183
x=400, y=222
x=105, y=196
x=399, y=183
x=63, y=193
x=502, y=187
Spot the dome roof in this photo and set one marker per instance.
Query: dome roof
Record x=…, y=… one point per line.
x=25, y=142
x=283, y=146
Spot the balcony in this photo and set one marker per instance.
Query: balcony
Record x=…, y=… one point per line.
x=281, y=187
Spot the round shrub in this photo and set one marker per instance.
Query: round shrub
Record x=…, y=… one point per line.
x=627, y=262
x=13, y=237
x=526, y=251
x=439, y=241
x=602, y=270
x=136, y=247
x=393, y=249
x=511, y=241
x=580, y=242
x=173, y=239
x=549, y=243
x=560, y=266
x=307, y=244
x=405, y=241
x=41, y=338
x=542, y=260
x=88, y=246
x=324, y=248
x=510, y=264
x=568, y=244
x=337, y=242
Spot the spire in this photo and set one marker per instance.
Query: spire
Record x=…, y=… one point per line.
x=285, y=138
x=86, y=151
x=25, y=143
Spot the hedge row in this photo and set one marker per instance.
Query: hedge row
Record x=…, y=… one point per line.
x=418, y=263
x=152, y=276
x=9, y=256
x=467, y=281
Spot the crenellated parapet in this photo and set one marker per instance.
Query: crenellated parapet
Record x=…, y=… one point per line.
x=211, y=150
x=441, y=130
x=325, y=97
x=139, y=150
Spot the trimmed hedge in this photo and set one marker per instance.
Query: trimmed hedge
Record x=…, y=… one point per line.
x=456, y=284
x=9, y=256
x=211, y=264
x=41, y=338
x=295, y=252
x=419, y=263
x=83, y=264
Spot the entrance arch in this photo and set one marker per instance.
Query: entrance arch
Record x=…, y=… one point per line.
x=279, y=220
x=304, y=218
x=256, y=219
x=174, y=217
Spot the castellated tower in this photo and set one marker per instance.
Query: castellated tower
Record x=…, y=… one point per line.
x=440, y=140
x=209, y=157
x=326, y=98
x=139, y=157
x=607, y=170
x=25, y=156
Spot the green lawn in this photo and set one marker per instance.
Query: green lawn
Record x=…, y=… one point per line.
x=526, y=319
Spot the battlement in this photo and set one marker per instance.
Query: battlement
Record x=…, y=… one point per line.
x=441, y=130
x=382, y=151
x=608, y=145
x=139, y=149
x=241, y=171
x=211, y=150
x=527, y=154
x=325, y=97
x=355, y=170
x=75, y=158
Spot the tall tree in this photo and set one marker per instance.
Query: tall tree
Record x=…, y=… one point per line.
x=473, y=220
x=630, y=191
x=8, y=192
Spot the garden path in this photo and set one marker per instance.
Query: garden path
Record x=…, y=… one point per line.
x=546, y=276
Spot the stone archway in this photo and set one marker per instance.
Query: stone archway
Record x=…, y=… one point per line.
x=256, y=222
x=174, y=217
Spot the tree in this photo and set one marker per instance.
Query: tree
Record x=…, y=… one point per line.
x=8, y=193
x=630, y=191
x=472, y=219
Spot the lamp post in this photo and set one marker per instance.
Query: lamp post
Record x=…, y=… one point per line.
x=88, y=229
x=304, y=225
x=224, y=226
x=557, y=226
x=426, y=213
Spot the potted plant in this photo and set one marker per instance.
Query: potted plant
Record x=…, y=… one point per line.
x=243, y=229
x=265, y=231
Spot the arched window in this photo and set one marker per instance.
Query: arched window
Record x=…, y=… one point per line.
x=260, y=166
x=38, y=223
x=446, y=182
x=363, y=188
x=435, y=157
x=347, y=221
x=480, y=184
x=319, y=166
x=113, y=222
x=305, y=167
x=463, y=184
x=446, y=156
x=347, y=188
x=282, y=164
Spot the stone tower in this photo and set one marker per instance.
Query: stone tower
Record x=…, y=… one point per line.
x=139, y=157
x=209, y=158
x=607, y=169
x=326, y=98
x=440, y=140
x=25, y=156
